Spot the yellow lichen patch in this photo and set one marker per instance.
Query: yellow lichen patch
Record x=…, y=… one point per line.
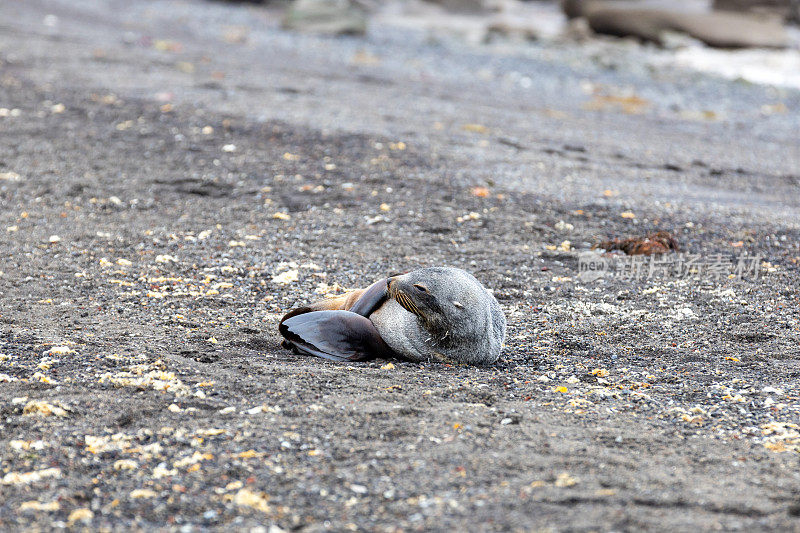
x=35, y=505
x=59, y=350
x=211, y=432
x=781, y=436
x=605, y=492
x=9, y=176
x=247, y=455
x=565, y=480
x=137, y=494
x=734, y=398
x=195, y=458
x=42, y=408
x=330, y=291
x=125, y=464
x=26, y=478
x=161, y=472
x=630, y=104
x=38, y=376
x=107, y=443
x=776, y=447
x=25, y=445
x=80, y=515
x=475, y=128
x=234, y=485
x=696, y=419
x=285, y=278
x=580, y=402
x=469, y=216
x=255, y=500
x=480, y=191
x=150, y=377
x=46, y=363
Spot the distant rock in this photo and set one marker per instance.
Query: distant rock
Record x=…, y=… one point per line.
x=723, y=29
x=331, y=17
x=513, y=28
x=462, y=6
x=789, y=10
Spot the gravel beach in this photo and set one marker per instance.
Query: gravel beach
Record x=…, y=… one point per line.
x=176, y=175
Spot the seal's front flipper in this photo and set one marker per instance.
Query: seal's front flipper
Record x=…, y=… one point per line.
x=372, y=298
x=335, y=335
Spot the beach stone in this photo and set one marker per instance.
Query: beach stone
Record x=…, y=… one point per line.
x=331, y=17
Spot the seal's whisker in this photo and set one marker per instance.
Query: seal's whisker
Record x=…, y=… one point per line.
x=407, y=303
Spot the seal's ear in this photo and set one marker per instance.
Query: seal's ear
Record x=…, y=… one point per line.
x=335, y=335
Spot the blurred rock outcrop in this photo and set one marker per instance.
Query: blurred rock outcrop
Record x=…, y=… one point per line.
x=724, y=29
x=332, y=17
x=789, y=10
x=462, y=6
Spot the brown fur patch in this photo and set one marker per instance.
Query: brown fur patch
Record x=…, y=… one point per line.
x=656, y=243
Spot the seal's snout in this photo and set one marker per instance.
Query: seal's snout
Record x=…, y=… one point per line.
x=407, y=295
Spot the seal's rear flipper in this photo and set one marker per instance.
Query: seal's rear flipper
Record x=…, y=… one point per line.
x=335, y=335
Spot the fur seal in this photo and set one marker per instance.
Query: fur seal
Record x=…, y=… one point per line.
x=439, y=313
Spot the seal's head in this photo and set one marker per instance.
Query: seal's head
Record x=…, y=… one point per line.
x=463, y=320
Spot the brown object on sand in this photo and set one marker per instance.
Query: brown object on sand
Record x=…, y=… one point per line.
x=656, y=243
x=722, y=29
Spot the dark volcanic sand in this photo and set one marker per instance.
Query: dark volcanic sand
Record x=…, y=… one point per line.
x=140, y=367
